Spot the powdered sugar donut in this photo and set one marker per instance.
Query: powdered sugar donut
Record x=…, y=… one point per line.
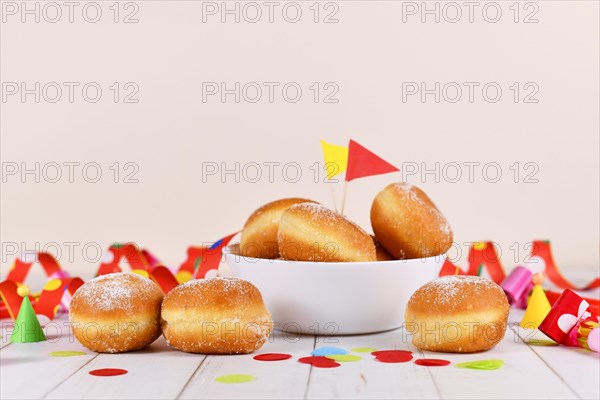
x=311, y=232
x=115, y=313
x=259, y=236
x=458, y=314
x=407, y=223
x=215, y=316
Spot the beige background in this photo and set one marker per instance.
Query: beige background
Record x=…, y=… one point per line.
x=171, y=132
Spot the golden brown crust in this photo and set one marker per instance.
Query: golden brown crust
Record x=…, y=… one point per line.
x=215, y=316
x=458, y=314
x=407, y=223
x=380, y=251
x=115, y=313
x=311, y=232
x=259, y=236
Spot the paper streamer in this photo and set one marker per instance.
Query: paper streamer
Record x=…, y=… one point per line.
x=542, y=250
x=20, y=269
x=204, y=261
x=482, y=255
x=60, y=286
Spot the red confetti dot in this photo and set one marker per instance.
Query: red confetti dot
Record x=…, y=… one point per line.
x=432, y=362
x=108, y=372
x=378, y=352
x=272, y=357
x=393, y=356
x=319, y=362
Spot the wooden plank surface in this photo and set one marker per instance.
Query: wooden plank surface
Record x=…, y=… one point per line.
x=578, y=368
x=275, y=379
x=368, y=378
x=156, y=372
x=28, y=371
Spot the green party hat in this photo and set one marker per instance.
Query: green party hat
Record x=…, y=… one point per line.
x=27, y=326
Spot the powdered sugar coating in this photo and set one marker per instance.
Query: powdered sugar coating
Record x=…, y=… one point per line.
x=411, y=192
x=312, y=232
x=222, y=315
x=453, y=291
x=230, y=291
x=259, y=236
x=117, y=312
x=408, y=224
x=115, y=292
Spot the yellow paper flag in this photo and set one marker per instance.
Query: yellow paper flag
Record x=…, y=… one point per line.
x=537, y=309
x=336, y=158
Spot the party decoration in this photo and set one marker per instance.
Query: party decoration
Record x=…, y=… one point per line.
x=538, y=342
x=235, y=378
x=336, y=158
x=481, y=255
x=541, y=249
x=52, y=294
x=537, y=309
x=67, y=353
x=593, y=339
x=201, y=262
x=20, y=269
x=272, y=357
x=327, y=351
x=363, y=162
x=393, y=356
x=594, y=303
x=11, y=300
x=484, y=365
x=517, y=284
x=432, y=362
x=211, y=257
x=484, y=253
x=344, y=357
x=363, y=349
x=108, y=372
x=564, y=316
x=570, y=322
x=27, y=327
x=319, y=362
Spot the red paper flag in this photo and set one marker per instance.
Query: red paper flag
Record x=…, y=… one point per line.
x=363, y=162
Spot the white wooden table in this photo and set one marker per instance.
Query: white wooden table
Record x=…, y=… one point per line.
x=28, y=371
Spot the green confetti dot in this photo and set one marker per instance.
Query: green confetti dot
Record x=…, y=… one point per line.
x=67, y=353
x=344, y=357
x=539, y=342
x=363, y=350
x=235, y=378
x=486, y=365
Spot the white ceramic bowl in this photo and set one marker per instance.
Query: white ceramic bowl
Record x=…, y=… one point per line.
x=329, y=298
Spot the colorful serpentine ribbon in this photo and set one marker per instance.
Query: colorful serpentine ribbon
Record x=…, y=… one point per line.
x=203, y=262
